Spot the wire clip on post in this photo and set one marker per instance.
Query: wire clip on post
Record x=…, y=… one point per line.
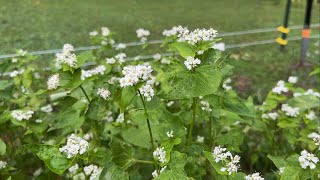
x=281, y=41
x=283, y=29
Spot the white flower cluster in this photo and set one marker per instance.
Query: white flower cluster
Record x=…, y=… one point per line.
x=232, y=162
x=47, y=109
x=73, y=169
x=308, y=92
x=79, y=176
x=15, y=73
x=93, y=33
x=226, y=83
x=308, y=159
x=67, y=56
x=104, y=93
x=281, y=170
x=290, y=111
x=92, y=170
x=92, y=72
x=156, y=173
x=170, y=134
x=205, y=106
x=170, y=103
x=22, y=52
x=198, y=35
x=191, y=62
x=3, y=164
x=315, y=137
x=108, y=117
x=311, y=115
x=160, y=154
x=37, y=172
x=21, y=115
x=132, y=74
x=120, y=46
x=142, y=34
x=147, y=91
x=120, y=118
x=280, y=87
x=156, y=56
x=105, y=31
x=293, y=79
x=53, y=82
x=271, y=115
x=113, y=80
x=254, y=176
x=165, y=61
x=200, y=139
x=75, y=145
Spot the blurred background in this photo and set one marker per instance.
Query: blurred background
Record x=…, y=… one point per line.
x=48, y=24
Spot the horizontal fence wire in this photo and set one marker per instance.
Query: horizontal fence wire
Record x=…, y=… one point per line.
x=129, y=44
x=231, y=46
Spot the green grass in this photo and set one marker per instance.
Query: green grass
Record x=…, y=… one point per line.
x=48, y=24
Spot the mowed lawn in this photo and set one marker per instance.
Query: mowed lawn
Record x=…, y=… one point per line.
x=48, y=24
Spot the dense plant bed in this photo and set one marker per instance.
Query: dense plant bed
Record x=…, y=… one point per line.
x=171, y=118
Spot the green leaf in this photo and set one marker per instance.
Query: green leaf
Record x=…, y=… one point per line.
x=96, y=109
x=127, y=94
x=175, y=168
x=2, y=147
x=290, y=173
x=233, y=139
x=237, y=176
x=27, y=79
x=122, y=155
x=112, y=171
x=53, y=159
x=236, y=105
x=187, y=84
x=304, y=102
x=216, y=166
x=83, y=57
x=70, y=80
x=278, y=161
x=184, y=49
x=4, y=84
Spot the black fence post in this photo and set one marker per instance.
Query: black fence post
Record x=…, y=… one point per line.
x=306, y=32
x=284, y=29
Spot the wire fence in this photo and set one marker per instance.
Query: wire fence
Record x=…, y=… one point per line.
x=129, y=44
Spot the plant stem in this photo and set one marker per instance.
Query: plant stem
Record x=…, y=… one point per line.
x=146, y=113
x=84, y=92
x=143, y=161
x=210, y=130
x=194, y=104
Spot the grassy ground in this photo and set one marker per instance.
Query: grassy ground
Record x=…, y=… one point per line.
x=48, y=24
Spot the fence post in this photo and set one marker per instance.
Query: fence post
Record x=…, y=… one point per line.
x=284, y=29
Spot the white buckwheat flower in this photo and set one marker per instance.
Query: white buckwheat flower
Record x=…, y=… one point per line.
x=172, y=32
x=280, y=87
x=142, y=34
x=170, y=134
x=53, y=82
x=3, y=164
x=14, y=60
x=121, y=57
x=105, y=31
x=226, y=83
x=281, y=170
x=108, y=117
x=120, y=118
x=15, y=73
x=191, y=62
x=205, y=106
x=290, y=111
x=315, y=136
x=157, y=56
x=75, y=145
x=160, y=155
x=47, y=109
x=93, y=33
x=120, y=46
x=96, y=71
x=271, y=115
x=198, y=35
x=311, y=115
x=147, y=91
x=170, y=103
x=307, y=159
x=104, y=93
x=132, y=75
x=37, y=172
x=308, y=92
x=67, y=56
x=73, y=169
x=231, y=162
x=21, y=52
x=200, y=139
x=20, y=115
x=254, y=176
x=92, y=170
x=156, y=173
x=293, y=79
